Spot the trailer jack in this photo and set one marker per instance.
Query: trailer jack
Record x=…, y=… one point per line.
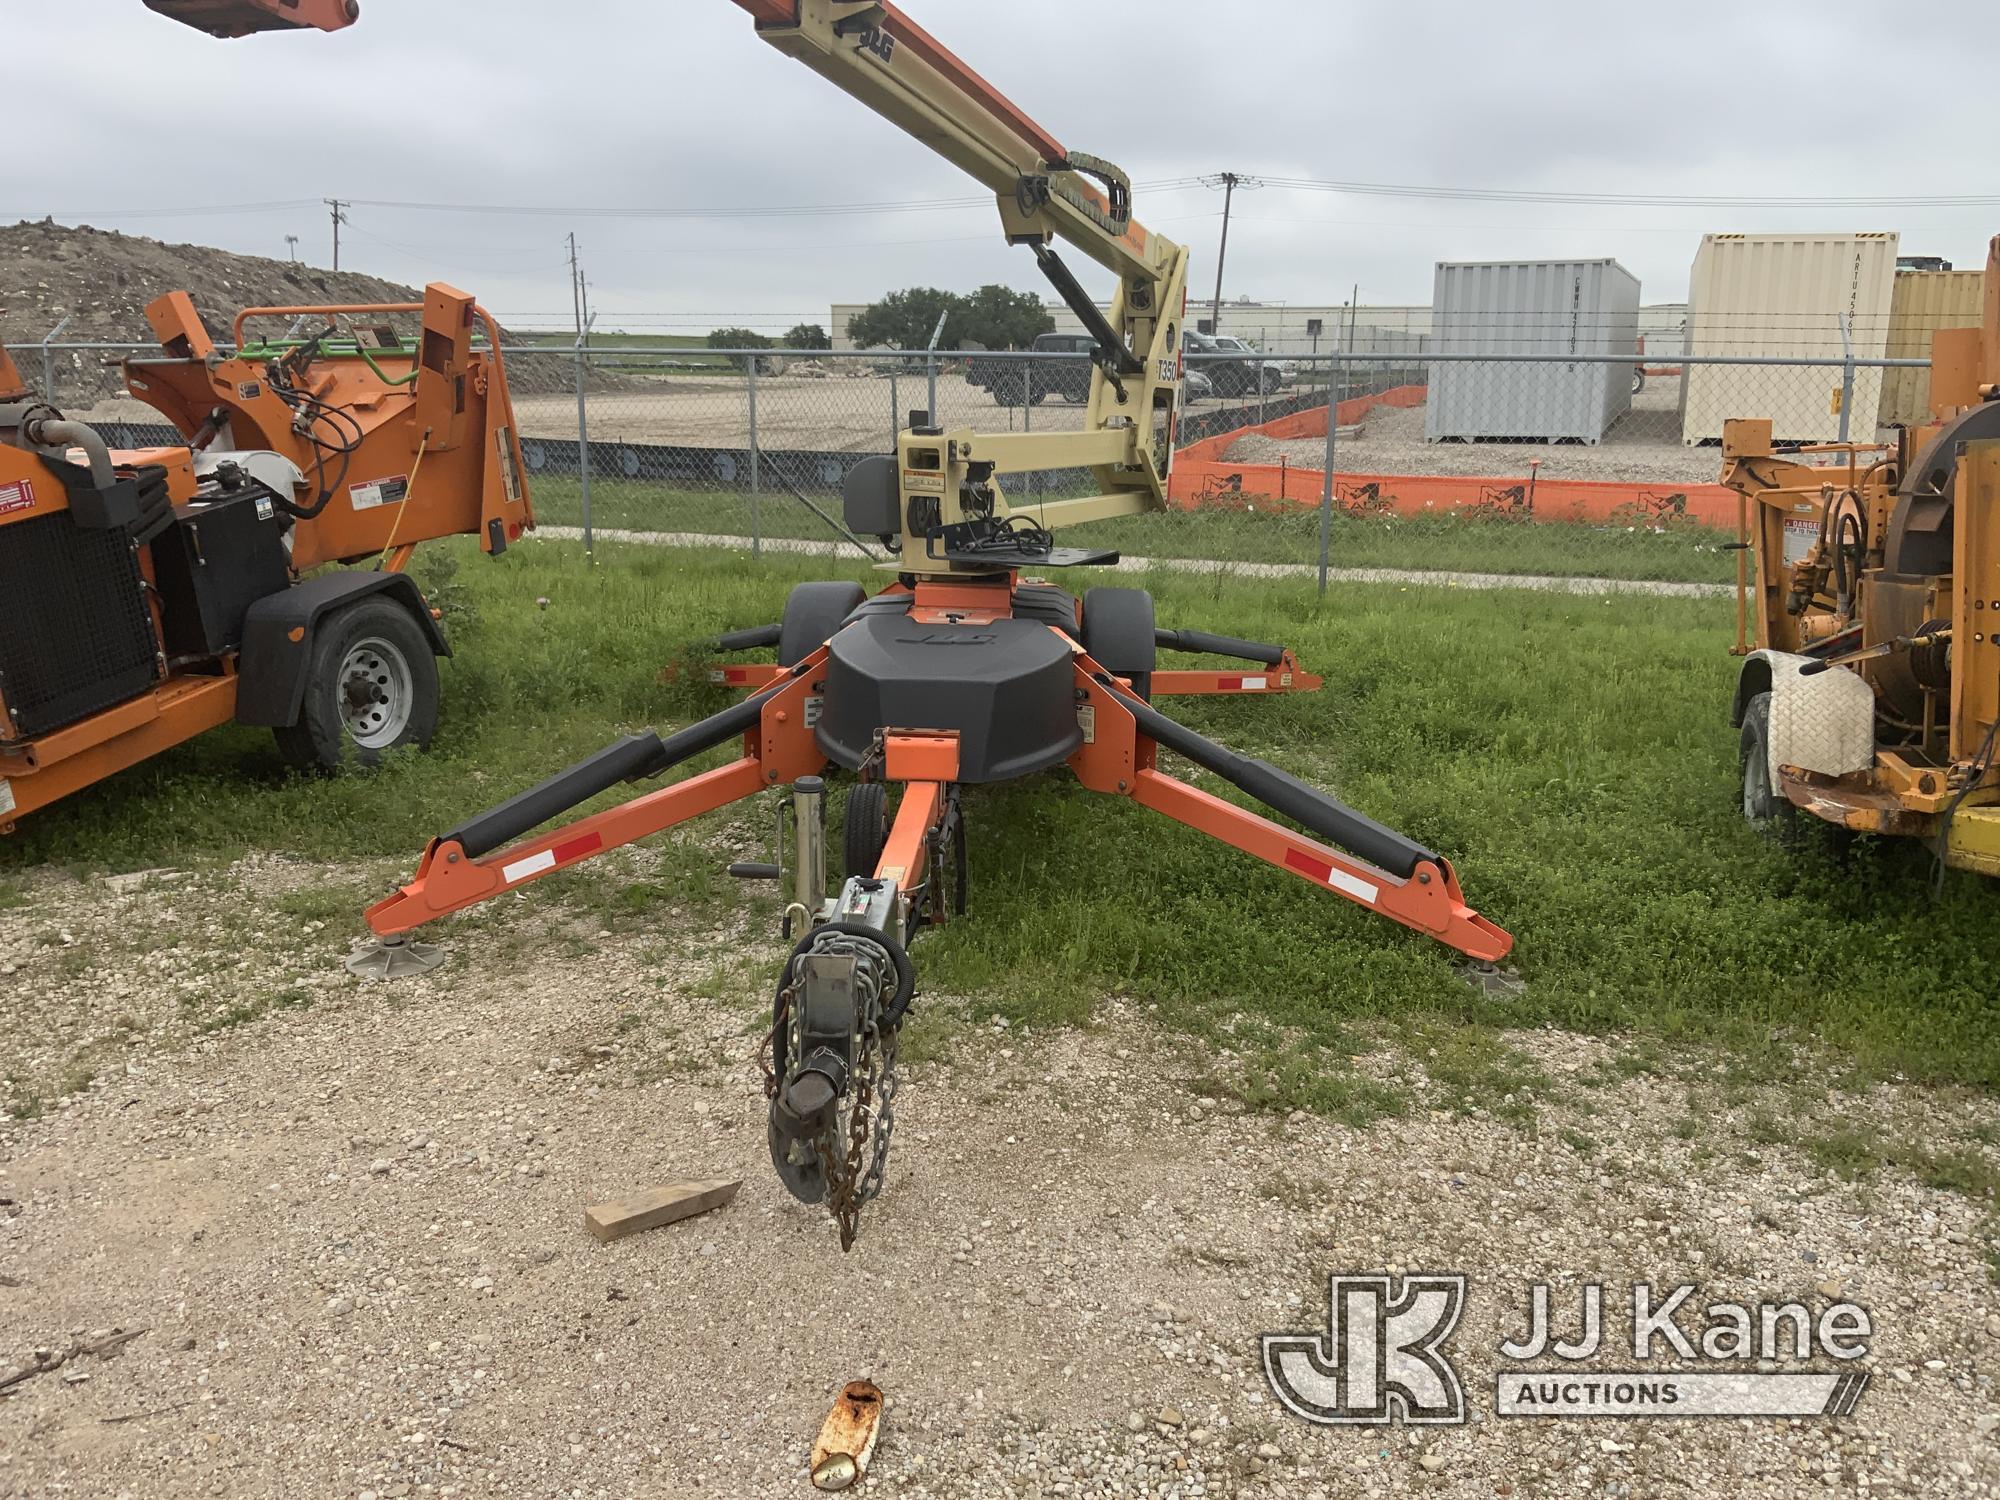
x=925, y=689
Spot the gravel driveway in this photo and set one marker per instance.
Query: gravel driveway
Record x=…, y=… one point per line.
x=351, y=1230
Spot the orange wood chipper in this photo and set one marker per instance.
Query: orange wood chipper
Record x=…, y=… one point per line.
x=148, y=596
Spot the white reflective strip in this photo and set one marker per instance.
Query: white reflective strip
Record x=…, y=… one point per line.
x=534, y=864
x=1258, y=683
x=1359, y=889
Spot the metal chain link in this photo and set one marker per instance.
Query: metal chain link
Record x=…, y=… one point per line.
x=869, y=1126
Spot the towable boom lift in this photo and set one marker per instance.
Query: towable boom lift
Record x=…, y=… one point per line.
x=963, y=670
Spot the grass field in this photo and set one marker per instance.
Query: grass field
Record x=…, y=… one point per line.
x=1443, y=543
x=1570, y=754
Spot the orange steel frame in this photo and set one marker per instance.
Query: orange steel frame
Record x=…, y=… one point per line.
x=1116, y=758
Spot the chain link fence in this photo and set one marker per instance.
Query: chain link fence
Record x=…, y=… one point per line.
x=1521, y=464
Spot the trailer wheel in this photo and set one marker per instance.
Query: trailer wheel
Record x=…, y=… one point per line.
x=1118, y=635
x=864, y=830
x=1764, y=808
x=813, y=612
x=371, y=687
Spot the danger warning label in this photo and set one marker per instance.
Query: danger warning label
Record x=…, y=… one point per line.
x=19, y=495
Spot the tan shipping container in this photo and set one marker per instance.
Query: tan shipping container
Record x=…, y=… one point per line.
x=1922, y=303
x=1782, y=296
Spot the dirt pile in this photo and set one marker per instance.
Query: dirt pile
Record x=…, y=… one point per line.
x=102, y=280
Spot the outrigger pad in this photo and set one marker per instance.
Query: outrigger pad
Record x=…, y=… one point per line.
x=1492, y=981
x=394, y=958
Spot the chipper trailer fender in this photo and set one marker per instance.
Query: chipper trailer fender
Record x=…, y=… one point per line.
x=967, y=668
x=148, y=596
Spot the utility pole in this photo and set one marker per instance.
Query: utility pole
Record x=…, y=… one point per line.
x=575, y=286
x=339, y=218
x=292, y=246
x=1229, y=182
x=579, y=293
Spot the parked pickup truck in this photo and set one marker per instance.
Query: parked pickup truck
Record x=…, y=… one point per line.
x=1234, y=367
x=1017, y=380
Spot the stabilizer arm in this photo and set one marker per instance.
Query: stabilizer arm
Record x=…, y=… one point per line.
x=1282, y=672
x=1372, y=866
x=461, y=868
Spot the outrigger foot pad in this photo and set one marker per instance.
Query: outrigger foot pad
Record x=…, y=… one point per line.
x=1492, y=981
x=394, y=958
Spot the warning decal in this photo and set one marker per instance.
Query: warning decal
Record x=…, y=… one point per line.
x=20, y=495
x=380, y=492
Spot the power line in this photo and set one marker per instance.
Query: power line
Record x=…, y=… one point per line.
x=1159, y=185
x=1633, y=200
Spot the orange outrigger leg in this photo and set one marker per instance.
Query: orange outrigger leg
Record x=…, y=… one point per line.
x=829, y=1059
x=1386, y=873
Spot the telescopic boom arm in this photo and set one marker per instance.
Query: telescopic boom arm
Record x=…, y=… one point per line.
x=1045, y=192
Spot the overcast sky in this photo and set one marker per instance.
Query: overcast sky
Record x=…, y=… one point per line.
x=596, y=106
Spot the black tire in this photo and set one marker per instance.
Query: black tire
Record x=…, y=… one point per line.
x=1638, y=379
x=1011, y=389
x=813, y=612
x=1764, y=808
x=864, y=828
x=1118, y=634
x=371, y=688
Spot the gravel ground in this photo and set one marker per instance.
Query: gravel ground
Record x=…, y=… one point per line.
x=350, y=1230
x=1643, y=447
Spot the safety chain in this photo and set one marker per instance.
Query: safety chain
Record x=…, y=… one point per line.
x=868, y=1125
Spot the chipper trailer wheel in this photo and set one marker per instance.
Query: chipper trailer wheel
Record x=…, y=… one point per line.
x=371, y=687
x=1764, y=807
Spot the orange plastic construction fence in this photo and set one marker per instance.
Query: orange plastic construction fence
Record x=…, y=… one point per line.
x=1202, y=476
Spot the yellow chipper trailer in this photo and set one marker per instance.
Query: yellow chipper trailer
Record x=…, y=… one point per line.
x=1868, y=605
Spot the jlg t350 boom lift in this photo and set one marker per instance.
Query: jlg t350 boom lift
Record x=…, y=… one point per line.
x=963, y=669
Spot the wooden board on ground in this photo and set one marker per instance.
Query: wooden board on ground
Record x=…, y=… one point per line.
x=656, y=1206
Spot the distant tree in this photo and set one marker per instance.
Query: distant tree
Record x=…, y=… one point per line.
x=738, y=338
x=904, y=320
x=807, y=336
x=1001, y=318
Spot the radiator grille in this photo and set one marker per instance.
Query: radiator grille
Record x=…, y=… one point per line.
x=75, y=633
